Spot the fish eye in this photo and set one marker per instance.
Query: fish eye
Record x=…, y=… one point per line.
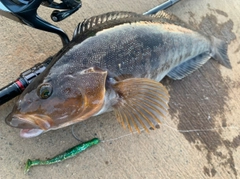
x=44, y=90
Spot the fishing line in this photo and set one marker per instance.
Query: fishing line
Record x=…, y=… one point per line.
x=199, y=130
x=108, y=140
x=164, y=124
x=122, y=136
x=176, y=130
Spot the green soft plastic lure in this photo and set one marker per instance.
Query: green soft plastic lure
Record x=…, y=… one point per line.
x=63, y=156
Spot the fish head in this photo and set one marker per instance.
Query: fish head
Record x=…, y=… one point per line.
x=58, y=102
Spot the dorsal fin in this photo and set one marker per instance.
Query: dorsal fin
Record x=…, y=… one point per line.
x=111, y=19
x=100, y=19
x=167, y=17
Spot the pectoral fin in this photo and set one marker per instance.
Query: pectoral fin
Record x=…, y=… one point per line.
x=142, y=102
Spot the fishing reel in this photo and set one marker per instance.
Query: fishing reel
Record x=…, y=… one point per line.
x=25, y=12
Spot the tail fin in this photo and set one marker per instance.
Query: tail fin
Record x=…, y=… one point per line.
x=219, y=50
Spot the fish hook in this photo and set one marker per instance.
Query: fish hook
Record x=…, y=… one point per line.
x=74, y=135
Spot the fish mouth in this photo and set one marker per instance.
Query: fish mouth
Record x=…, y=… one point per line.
x=30, y=125
x=29, y=133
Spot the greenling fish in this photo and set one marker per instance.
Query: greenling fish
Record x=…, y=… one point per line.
x=115, y=62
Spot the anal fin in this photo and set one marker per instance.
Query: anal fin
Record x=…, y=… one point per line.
x=189, y=66
x=141, y=103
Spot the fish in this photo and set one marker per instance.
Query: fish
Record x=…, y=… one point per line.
x=115, y=62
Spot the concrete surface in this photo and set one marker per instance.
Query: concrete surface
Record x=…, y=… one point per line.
x=200, y=138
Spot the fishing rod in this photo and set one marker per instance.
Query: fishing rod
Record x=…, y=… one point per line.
x=161, y=7
x=25, y=12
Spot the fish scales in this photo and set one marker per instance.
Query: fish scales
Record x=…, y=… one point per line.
x=137, y=48
x=115, y=62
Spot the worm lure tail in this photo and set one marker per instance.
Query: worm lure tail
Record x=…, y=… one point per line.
x=63, y=156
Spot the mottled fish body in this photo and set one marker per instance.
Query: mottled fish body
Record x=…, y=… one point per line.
x=115, y=61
